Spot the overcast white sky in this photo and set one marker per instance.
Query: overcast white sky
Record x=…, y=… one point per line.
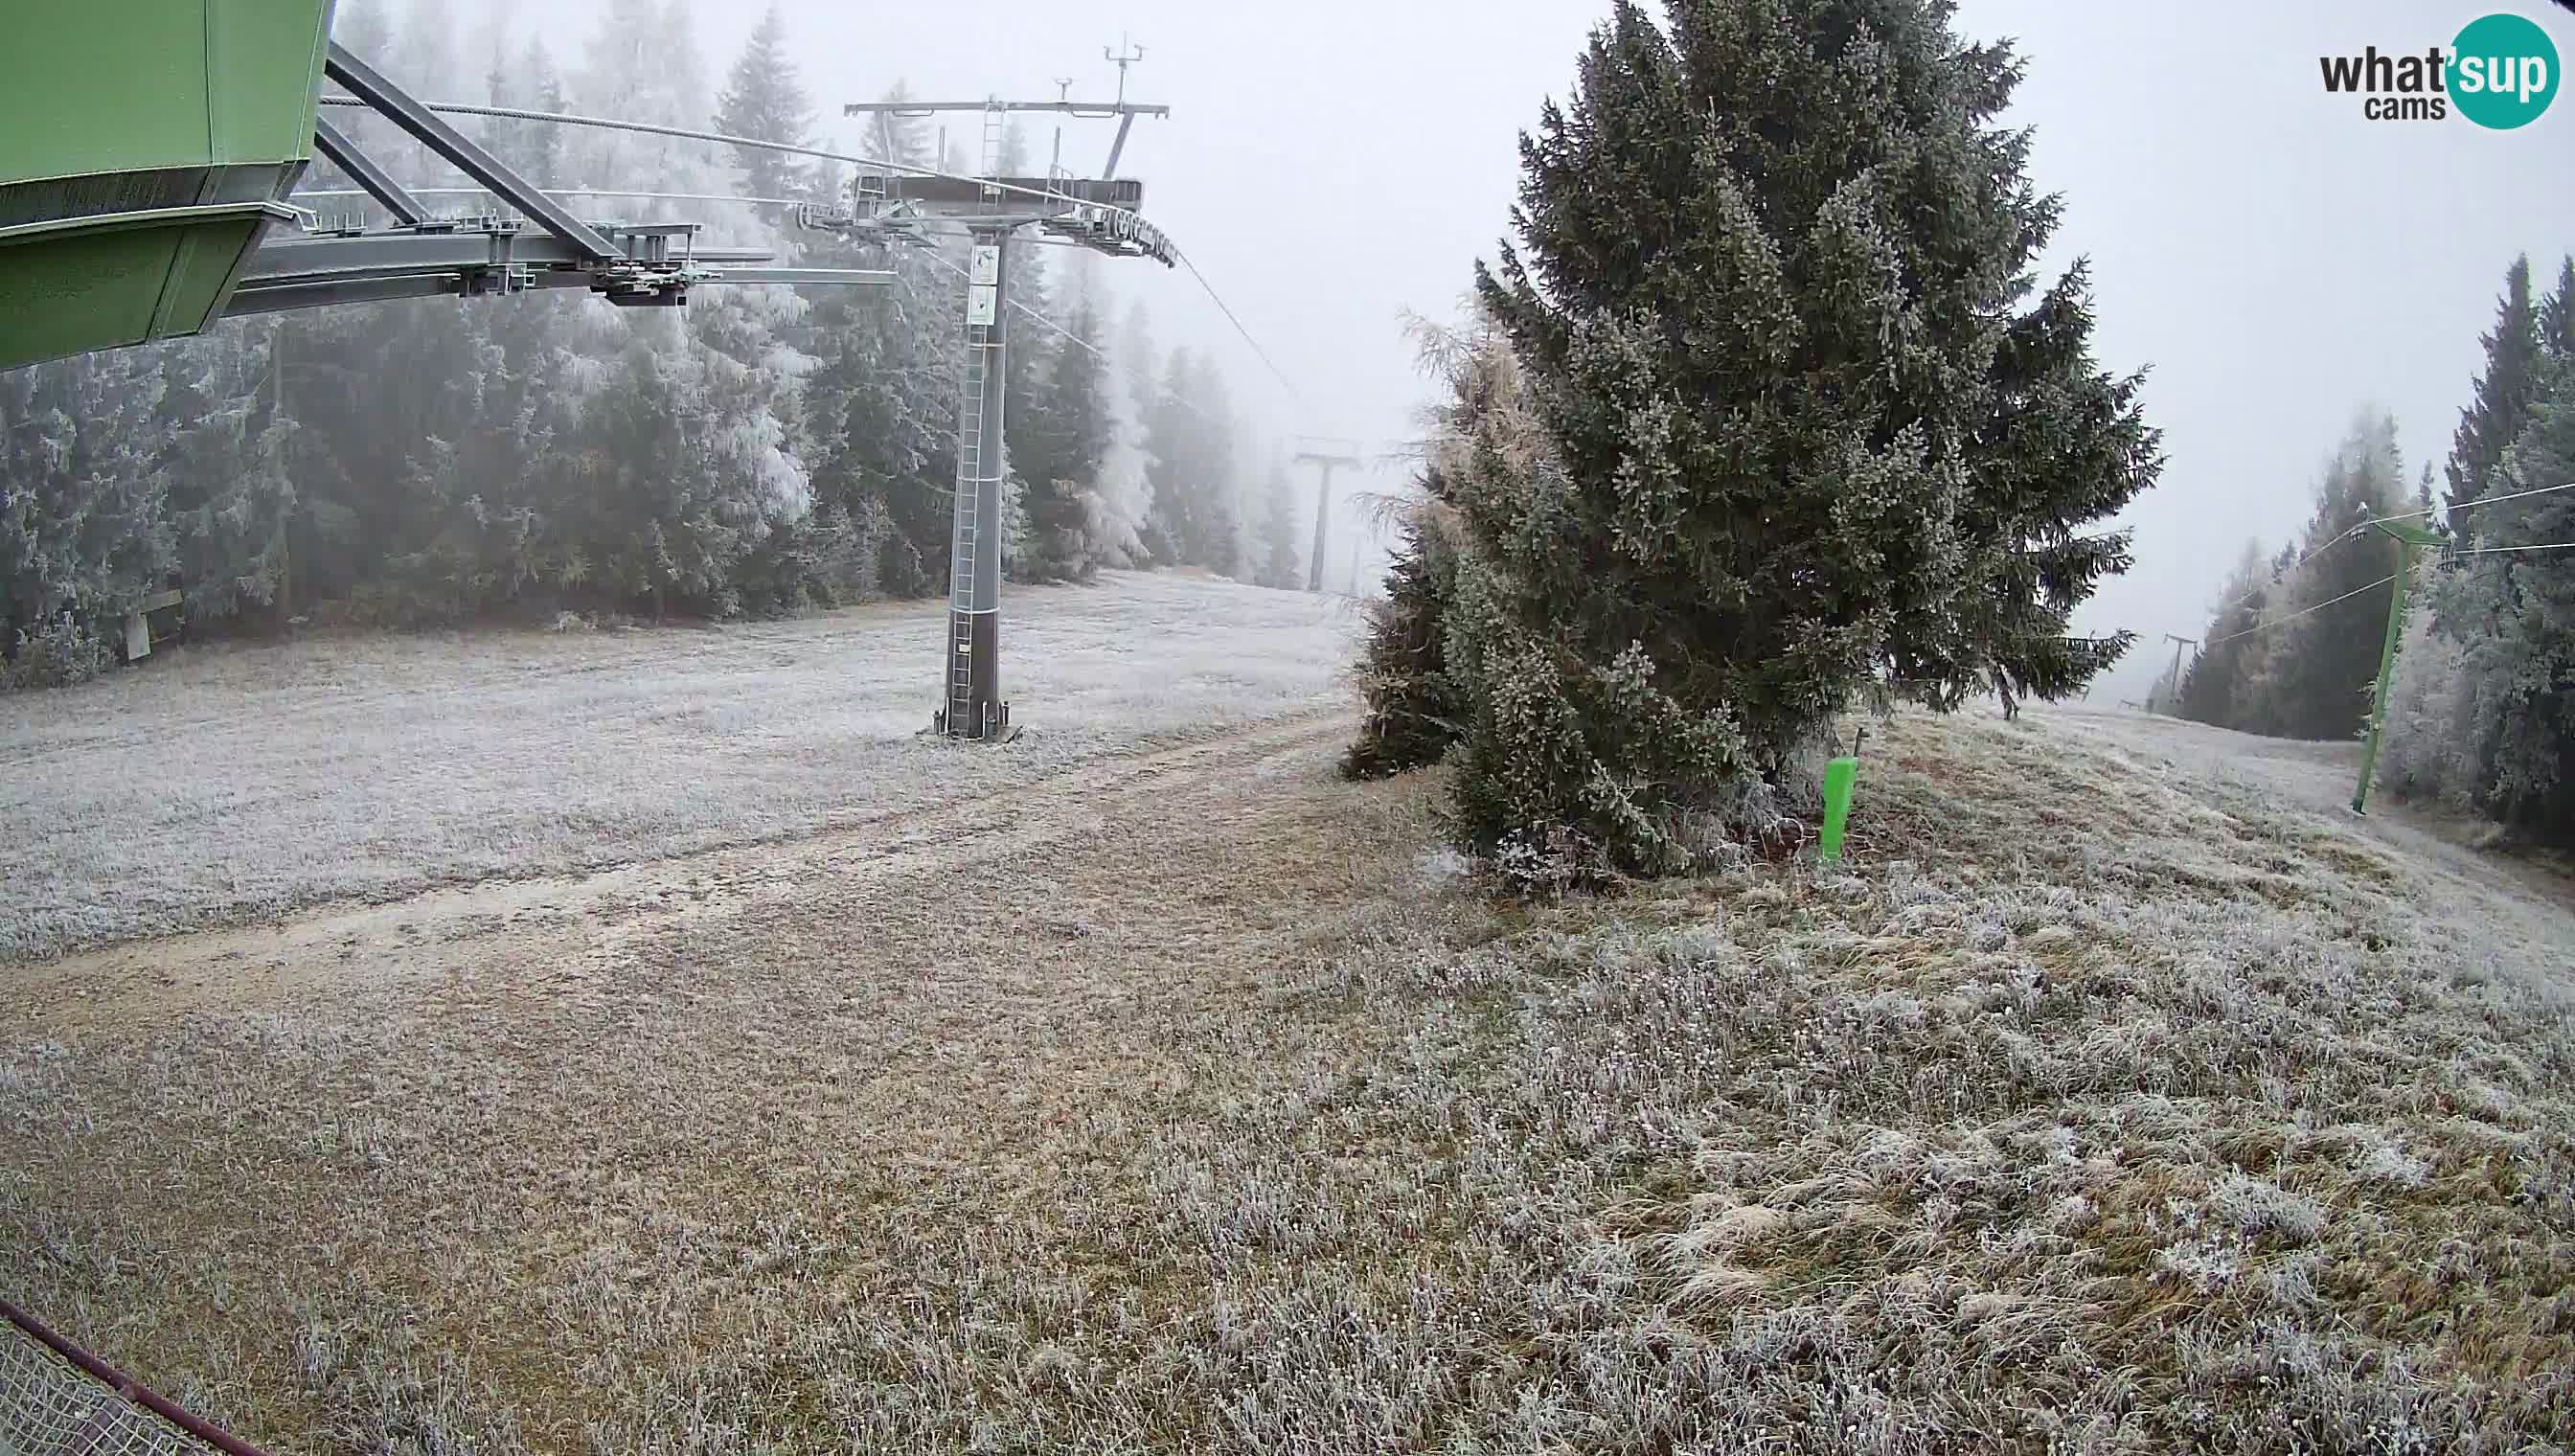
x=2276, y=259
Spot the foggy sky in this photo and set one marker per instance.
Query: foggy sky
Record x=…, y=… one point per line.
x=2276, y=259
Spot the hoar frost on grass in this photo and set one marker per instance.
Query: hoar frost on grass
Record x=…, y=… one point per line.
x=241, y=781
x=2074, y=1112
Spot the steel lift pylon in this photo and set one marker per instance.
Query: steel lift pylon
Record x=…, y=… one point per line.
x=1327, y=455
x=1096, y=213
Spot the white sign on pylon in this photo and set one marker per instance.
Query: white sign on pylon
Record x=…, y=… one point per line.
x=981, y=303
x=988, y=263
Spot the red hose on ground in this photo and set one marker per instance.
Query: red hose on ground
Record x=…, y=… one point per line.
x=126, y=1385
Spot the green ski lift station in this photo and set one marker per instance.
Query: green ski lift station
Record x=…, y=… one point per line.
x=145, y=147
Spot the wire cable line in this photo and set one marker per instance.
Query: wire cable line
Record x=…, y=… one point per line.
x=2472, y=505
x=2359, y=528
x=2501, y=549
x=566, y=118
x=2294, y=615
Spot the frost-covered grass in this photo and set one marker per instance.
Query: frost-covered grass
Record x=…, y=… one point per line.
x=2103, y=1101
x=236, y=782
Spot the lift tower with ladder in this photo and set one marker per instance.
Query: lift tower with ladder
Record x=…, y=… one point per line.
x=1095, y=212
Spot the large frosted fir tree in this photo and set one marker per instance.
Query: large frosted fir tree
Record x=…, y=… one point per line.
x=2333, y=608
x=2212, y=690
x=1062, y=439
x=1189, y=433
x=764, y=98
x=2504, y=393
x=1277, y=559
x=1805, y=430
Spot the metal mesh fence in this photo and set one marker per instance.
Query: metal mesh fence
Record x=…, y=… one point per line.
x=52, y=1407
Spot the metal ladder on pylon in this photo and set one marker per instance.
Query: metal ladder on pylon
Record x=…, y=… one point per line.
x=995, y=130
x=960, y=595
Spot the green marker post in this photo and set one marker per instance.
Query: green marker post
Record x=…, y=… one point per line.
x=2407, y=539
x=1840, y=774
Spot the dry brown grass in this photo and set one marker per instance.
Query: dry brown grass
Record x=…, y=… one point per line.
x=1181, y=1103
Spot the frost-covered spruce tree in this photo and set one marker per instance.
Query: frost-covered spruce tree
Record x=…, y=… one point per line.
x=1803, y=423
x=2504, y=392
x=80, y=528
x=1190, y=437
x=2531, y=665
x=1062, y=437
x=2334, y=607
x=1123, y=496
x=763, y=97
x=2213, y=690
x=1278, y=556
x=2429, y=752
x=2508, y=610
x=1415, y=708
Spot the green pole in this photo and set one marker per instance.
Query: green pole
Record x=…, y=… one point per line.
x=1840, y=774
x=2408, y=537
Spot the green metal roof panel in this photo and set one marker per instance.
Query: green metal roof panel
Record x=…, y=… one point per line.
x=263, y=69
x=88, y=92
x=153, y=84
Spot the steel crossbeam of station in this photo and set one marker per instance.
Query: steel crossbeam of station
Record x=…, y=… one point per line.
x=422, y=255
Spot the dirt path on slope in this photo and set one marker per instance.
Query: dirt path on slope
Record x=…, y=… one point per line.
x=2266, y=779
x=588, y=926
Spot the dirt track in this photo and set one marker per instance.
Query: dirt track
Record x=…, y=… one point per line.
x=968, y=883
x=241, y=781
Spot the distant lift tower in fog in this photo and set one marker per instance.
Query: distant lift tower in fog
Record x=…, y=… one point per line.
x=1093, y=212
x=1327, y=453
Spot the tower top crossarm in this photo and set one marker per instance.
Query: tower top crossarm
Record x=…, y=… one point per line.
x=1327, y=450
x=1099, y=213
x=1067, y=107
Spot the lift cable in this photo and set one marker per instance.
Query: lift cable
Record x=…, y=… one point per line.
x=2471, y=504
x=2294, y=615
x=2362, y=527
x=2383, y=581
x=1071, y=337
x=2500, y=549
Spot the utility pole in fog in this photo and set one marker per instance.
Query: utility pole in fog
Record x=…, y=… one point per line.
x=2178, y=644
x=1330, y=453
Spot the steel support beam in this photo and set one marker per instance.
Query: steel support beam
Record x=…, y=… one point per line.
x=284, y=297
x=1069, y=191
x=1097, y=109
x=1118, y=146
x=836, y=277
x=372, y=267
x=279, y=295
x=379, y=183
x=432, y=131
x=435, y=250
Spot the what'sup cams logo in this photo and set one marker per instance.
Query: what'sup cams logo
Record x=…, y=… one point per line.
x=2501, y=72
